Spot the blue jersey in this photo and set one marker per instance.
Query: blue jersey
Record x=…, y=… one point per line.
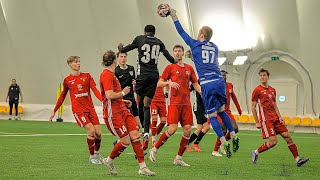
x=205, y=56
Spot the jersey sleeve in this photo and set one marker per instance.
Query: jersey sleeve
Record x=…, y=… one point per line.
x=185, y=36
x=62, y=96
x=166, y=73
x=235, y=99
x=107, y=82
x=131, y=46
x=255, y=95
x=94, y=88
x=193, y=77
x=166, y=53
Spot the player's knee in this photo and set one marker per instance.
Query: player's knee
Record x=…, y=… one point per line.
x=125, y=140
x=273, y=142
x=172, y=129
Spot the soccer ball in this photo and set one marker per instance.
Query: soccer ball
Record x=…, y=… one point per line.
x=163, y=10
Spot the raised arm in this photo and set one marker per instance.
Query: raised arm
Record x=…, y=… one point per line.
x=129, y=47
x=185, y=36
x=166, y=54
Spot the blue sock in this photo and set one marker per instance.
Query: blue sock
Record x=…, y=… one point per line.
x=226, y=120
x=216, y=127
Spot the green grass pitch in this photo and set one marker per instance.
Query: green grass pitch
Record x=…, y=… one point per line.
x=43, y=150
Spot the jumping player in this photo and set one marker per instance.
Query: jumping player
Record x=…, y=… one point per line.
x=118, y=119
x=149, y=48
x=270, y=122
x=79, y=85
x=205, y=57
x=179, y=108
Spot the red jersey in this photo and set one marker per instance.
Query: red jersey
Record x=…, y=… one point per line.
x=182, y=76
x=266, y=98
x=79, y=87
x=108, y=81
x=159, y=95
x=230, y=93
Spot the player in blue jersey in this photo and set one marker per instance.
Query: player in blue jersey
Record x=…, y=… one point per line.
x=213, y=87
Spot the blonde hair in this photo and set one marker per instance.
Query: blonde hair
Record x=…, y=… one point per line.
x=207, y=32
x=72, y=59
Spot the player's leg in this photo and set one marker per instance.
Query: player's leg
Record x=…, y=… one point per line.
x=16, y=104
x=93, y=117
x=172, y=120
x=194, y=135
x=186, y=123
x=140, y=110
x=183, y=143
x=154, y=120
x=135, y=112
x=163, y=117
x=204, y=130
x=292, y=147
x=90, y=129
x=203, y=120
x=131, y=126
x=267, y=131
x=10, y=109
x=217, y=145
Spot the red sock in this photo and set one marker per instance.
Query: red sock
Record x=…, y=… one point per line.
x=227, y=136
x=117, y=150
x=217, y=145
x=265, y=146
x=153, y=128
x=90, y=141
x=137, y=148
x=97, y=144
x=183, y=144
x=294, y=150
x=163, y=138
x=160, y=127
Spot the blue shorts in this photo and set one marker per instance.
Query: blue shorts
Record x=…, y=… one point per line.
x=213, y=95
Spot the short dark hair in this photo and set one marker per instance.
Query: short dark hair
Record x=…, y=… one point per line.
x=207, y=32
x=118, y=53
x=178, y=46
x=108, y=58
x=224, y=71
x=264, y=70
x=150, y=29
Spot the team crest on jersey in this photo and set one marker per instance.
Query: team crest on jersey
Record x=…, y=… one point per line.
x=131, y=73
x=80, y=87
x=188, y=73
x=72, y=81
x=230, y=91
x=83, y=79
x=177, y=72
x=270, y=96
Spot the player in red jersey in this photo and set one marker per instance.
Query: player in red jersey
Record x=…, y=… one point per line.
x=157, y=107
x=271, y=122
x=118, y=119
x=230, y=94
x=79, y=85
x=179, y=108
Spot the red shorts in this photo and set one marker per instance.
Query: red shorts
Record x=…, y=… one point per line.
x=230, y=116
x=272, y=128
x=158, y=108
x=180, y=113
x=84, y=118
x=121, y=123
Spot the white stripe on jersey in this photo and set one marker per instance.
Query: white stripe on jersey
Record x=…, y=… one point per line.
x=263, y=119
x=110, y=119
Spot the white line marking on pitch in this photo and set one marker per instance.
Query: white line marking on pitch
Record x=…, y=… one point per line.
x=4, y=134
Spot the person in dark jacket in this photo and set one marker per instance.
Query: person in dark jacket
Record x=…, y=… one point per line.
x=13, y=96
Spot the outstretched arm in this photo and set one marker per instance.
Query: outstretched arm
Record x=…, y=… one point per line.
x=59, y=101
x=166, y=53
x=129, y=47
x=185, y=36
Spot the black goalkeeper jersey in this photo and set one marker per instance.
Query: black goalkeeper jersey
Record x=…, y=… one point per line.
x=148, y=53
x=125, y=77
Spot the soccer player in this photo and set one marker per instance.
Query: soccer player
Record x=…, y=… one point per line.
x=149, y=48
x=205, y=57
x=179, y=108
x=13, y=96
x=118, y=119
x=158, y=108
x=270, y=122
x=126, y=76
x=229, y=93
x=203, y=125
x=79, y=85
